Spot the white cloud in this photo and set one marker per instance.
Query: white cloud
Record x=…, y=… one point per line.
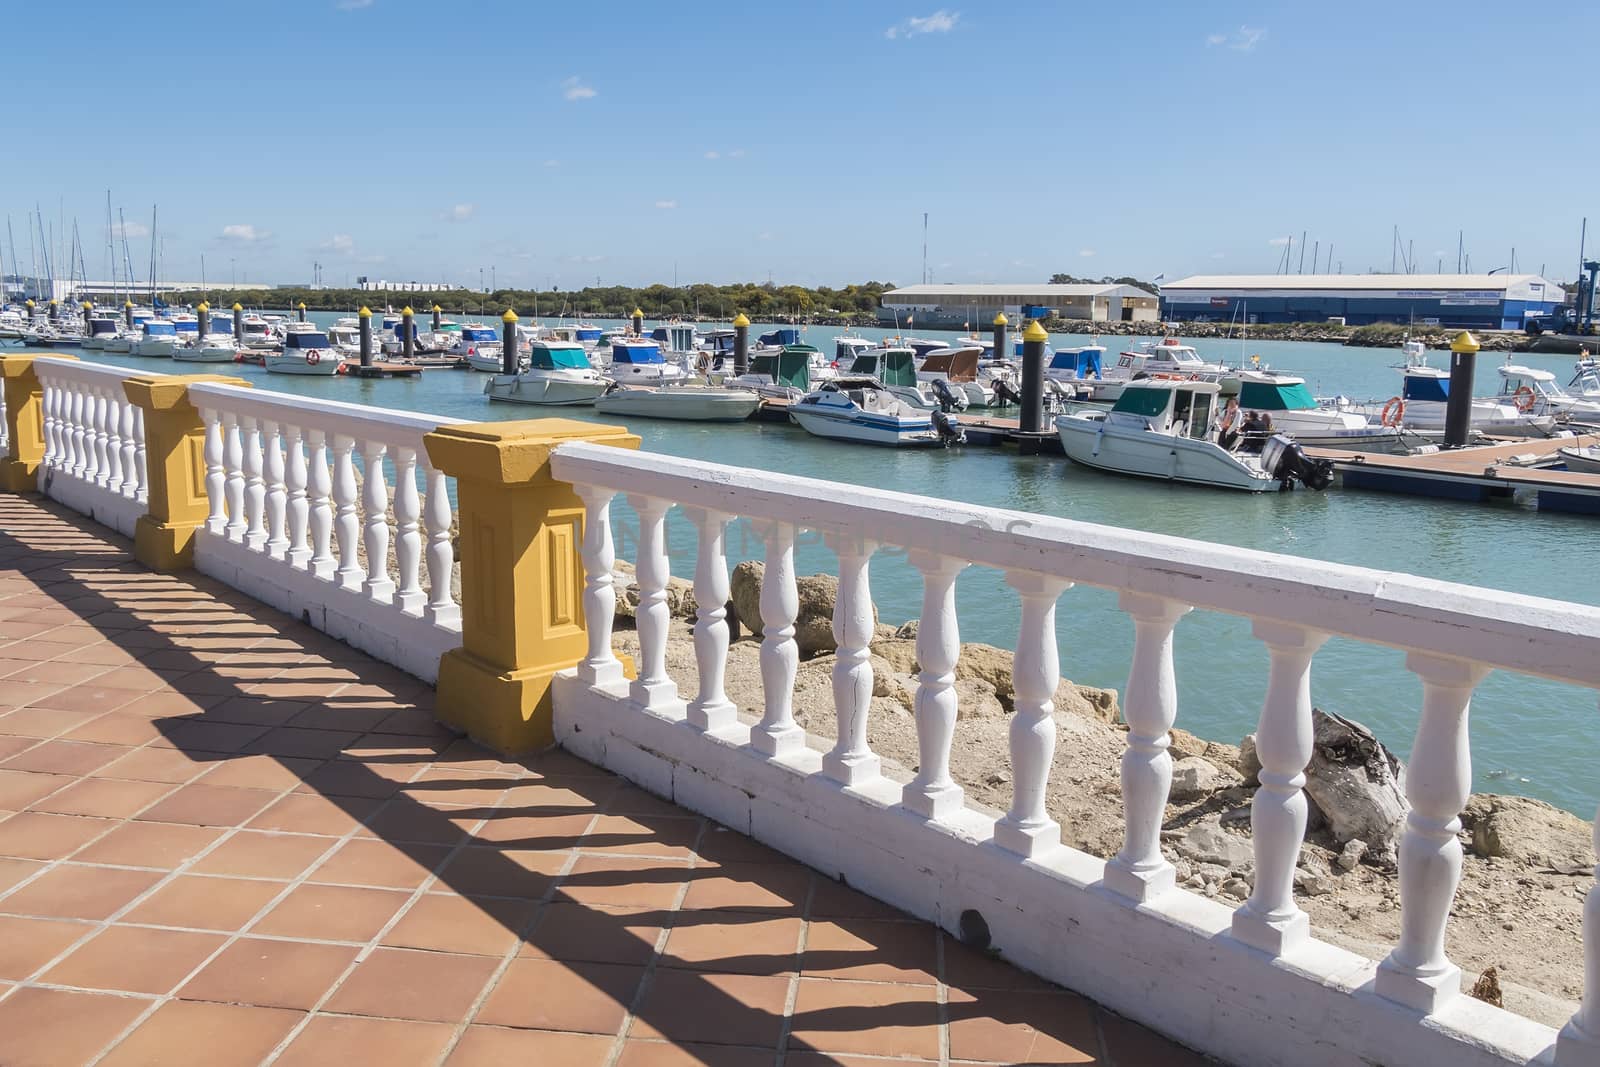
x=1217, y=255
x=352, y=5
x=764, y=235
x=1278, y=242
x=713, y=155
x=737, y=153
x=342, y=243
x=130, y=229
x=460, y=213
x=940, y=21
x=552, y=163
x=666, y=205
x=1086, y=252
x=573, y=89
x=244, y=233
x=1244, y=39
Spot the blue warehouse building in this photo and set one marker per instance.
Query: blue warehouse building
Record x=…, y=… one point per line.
x=1470, y=301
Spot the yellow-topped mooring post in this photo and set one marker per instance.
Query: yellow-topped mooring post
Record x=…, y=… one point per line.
x=24, y=396
x=741, y=344
x=300, y=312
x=521, y=576
x=127, y=313
x=175, y=467
x=510, y=351
x=1458, y=405
x=1000, y=324
x=638, y=322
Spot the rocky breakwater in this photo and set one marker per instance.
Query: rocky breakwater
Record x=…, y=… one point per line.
x=1526, y=870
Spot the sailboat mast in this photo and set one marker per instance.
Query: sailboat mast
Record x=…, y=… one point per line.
x=152, y=255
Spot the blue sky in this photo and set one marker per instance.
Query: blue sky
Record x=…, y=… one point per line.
x=560, y=143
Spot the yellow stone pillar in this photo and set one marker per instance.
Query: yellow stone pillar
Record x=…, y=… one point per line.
x=175, y=467
x=24, y=403
x=521, y=576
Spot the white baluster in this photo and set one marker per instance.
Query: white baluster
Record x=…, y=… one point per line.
x=322, y=561
x=52, y=441
x=296, y=507
x=347, y=525
x=1417, y=973
x=233, y=464
x=277, y=492
x=777, y=733
x=216, y=478
x=653, y=689
x=375, y=500
x=442, y=607
x=1026, y=829
x=851, y=761
x=1150, y=704
x=114, y=406
x=102, y=463
x=75, y=423
x=601, y=666
x=711, y=709
x=1579, y=1042
x=140, y=458
x=933, y=794
x=1270, y=920
x=255, y=484
x=408, y=541
x=132, y=476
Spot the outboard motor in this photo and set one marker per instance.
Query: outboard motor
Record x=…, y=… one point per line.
x=949, y=399
x=949, y=430
x=1005, y=393
x=1284, y=459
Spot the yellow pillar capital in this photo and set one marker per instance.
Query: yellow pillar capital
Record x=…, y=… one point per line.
x=521, y=575
x=175, y=467
x=24, y=415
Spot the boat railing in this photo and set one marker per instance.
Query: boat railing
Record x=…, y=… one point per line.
x=1119, y=930
x=301, y=510
x=94, y=443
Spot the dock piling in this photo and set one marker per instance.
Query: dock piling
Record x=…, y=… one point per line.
x=55, y=312
x=741, y=344
x=33, y=313
x=510, y=358
x=1000, y=337
x=1034, y=339
x=238, y=324
x=438, y=321
x=202, y=318
x=300, y=312
x=127, y=314
x=638, y=322
x=1458, y=405
x=408, y=339
x=366, y=336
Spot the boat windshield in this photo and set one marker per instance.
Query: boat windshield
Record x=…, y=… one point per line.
x=636, y=353
x=1147, y=401
x=1274, y=396
x=305, y=339
x=159, y=329
x=480, y=333
x=560, y=357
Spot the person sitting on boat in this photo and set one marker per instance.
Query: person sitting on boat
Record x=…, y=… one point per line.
x=1254, y=431
x=1228, y=424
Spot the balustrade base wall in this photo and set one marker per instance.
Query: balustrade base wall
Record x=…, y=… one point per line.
x=94, y=501
x=409, y=642
x=1169, y=963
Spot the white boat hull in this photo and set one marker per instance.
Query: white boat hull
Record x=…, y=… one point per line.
x=686, y=403
x=120, y=345
x=1582, y=460
x=162, y=349
x=901, y=433
x=297, y=364
x=1147, y=454
x=544, y=390
x=205, y=355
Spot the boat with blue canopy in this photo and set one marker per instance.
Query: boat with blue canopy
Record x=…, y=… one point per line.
x=556, y=374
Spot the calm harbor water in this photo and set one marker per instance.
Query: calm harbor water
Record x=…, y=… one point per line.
x=1527, y=735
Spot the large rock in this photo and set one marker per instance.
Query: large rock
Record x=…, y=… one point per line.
x=1357, y=784
x=813, y=625
x=744, y=590
x=625, y=582
x=1208, y=842
x=1193, y=778
x=1528, y=831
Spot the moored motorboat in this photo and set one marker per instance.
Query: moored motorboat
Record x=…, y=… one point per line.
x=212, y=348
x=1535, y=392
x=1584, y=460
x=158, y=337
x=1424, y=399
x=780, y=375
x=1164, y=429
x=481, y=347
x=640, y=360
x=685, y=403
x=557, y=374
x=1285, y=399
x=863, y=410
x=306, y=351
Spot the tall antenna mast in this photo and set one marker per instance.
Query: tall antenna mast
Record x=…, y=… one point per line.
x=924, y=248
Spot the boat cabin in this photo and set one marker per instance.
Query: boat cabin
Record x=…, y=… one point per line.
x=790, y=368
x=680, y=337
x=1075, y=363
x=478, y=334
x=558, y=355
x=1527, y=385
x=1178, y=408
x=160, y=328
x=636, y=352
x=186, y=324
x=302, y=342
x=891, y=366
x=846, y=349
x=721, y=342
x=1426, y=385
x=586, y=333
x=1263, y=392
x=958, y=366
x=788, y=335
x=101, y=326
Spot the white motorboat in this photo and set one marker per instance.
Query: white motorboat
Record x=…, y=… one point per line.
x=212, y=348
x=896, y=370
x=1293, y=410
x=480, y=346
x=158, y=337
x=100, y=328
x=1163, y=429
x=344, y=337
x=846, y=347
x=1535, y=392
x=640, y=360
x=119, y=343
x=1069, y=366
x=1167, y=359
x=686, y=403
x=257, y=333
x=1424, y=398
x=1585, y=460
x=306, y=350
x=779, y=375
x=955, y=371
x=557, y=374
x=865, y=411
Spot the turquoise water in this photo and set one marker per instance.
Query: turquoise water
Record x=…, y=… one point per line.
x=1526, y=733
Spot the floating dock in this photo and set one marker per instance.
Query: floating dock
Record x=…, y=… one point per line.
x=1479, y=473
x=380, y=369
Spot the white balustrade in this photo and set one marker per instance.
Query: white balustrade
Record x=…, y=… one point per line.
x=1119, y=930
x=652, y=689
x=851, y=761
x=300, y=514
x=93, y=439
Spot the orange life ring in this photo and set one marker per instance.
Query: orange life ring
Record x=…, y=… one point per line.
x=1393, y=412
x=313, y=357
x=1524, y=398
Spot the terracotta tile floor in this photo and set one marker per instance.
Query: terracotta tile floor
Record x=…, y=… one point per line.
x=226, y=838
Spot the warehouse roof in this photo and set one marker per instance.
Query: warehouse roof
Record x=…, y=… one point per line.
x=1040, y=292
x=1384, y=282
